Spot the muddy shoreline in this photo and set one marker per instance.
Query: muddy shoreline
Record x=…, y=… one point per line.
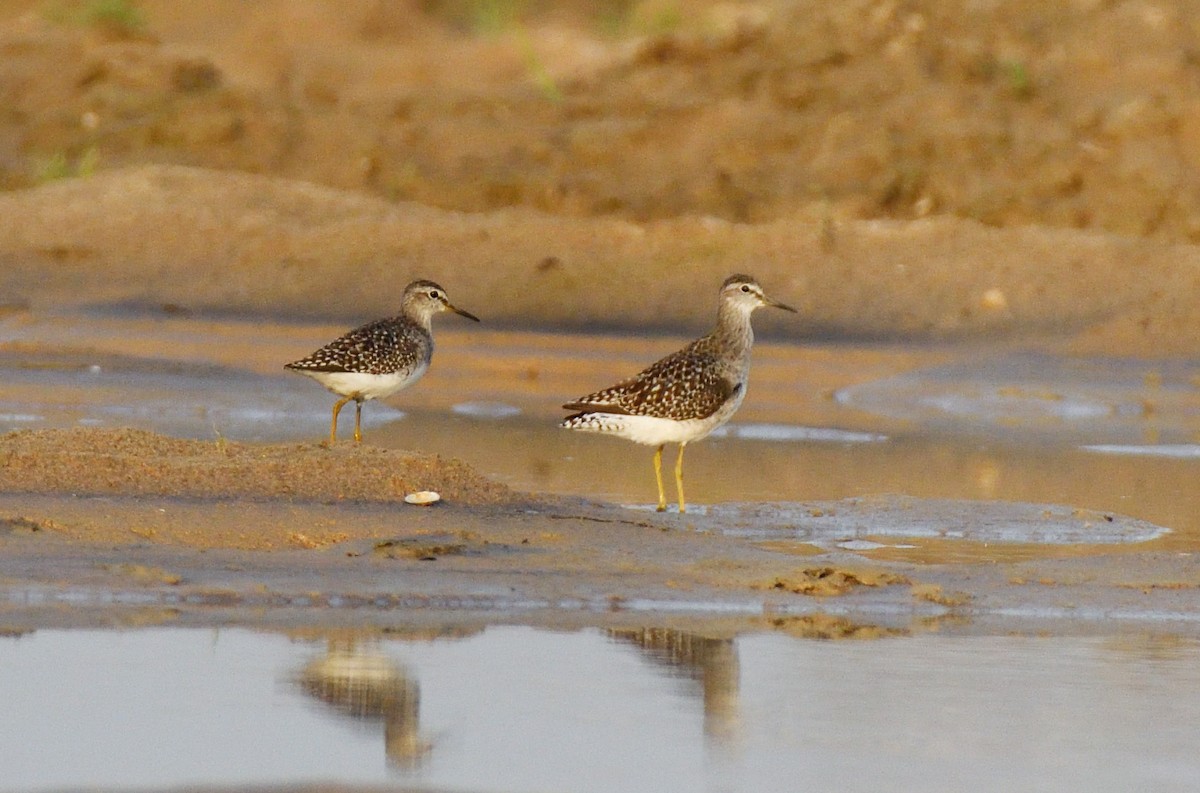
x=99, y=528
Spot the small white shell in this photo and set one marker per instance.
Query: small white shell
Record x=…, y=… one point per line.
x=423, y=498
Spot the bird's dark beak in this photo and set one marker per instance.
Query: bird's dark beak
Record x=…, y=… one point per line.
x=460, y=312
x=773, y=304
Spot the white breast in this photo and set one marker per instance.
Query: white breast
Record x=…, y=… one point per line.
x=648, y=429
x=366, y=386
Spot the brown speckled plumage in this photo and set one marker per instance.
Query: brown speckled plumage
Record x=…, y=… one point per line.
x=382, y=357
x=689, y=384
x=385, y=346
x=686, y=395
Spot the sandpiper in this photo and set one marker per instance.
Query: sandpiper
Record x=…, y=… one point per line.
x=686, y=395
x=380, y=358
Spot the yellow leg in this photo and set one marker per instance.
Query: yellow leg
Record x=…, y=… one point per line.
x=358, y=422
x=337, y=408
x=662, y=497
x=679, y=478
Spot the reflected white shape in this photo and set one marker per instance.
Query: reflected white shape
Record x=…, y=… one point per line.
x=486, y=410
x=693, y=510
x=1183, y=451
x=995, y=404
x=793, y=432
x=21, y=418
x=868, y=545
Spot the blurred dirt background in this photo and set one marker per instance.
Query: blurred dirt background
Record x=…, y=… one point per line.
x=899, y=169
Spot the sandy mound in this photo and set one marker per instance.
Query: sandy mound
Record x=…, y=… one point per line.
x=210, y=241
x=135, y=463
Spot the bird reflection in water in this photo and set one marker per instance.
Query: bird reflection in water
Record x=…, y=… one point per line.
x=360, y=681
x=713, y=663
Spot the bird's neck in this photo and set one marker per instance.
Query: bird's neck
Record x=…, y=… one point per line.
x=733, y=332
x=422, y=319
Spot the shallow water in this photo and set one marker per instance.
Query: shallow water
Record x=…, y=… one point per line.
x=509, y=708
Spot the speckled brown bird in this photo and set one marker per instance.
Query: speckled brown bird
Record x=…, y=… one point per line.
x=382, y=357
x=686, y=395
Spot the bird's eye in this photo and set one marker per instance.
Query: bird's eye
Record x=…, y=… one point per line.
x=746, y=288
x=435, y=294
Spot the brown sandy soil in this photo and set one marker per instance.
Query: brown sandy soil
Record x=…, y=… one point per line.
x=1080, y=114
x=643, y=147
x=186, y=240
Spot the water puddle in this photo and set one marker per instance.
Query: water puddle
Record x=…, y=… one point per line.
x=519, y=709
x=832, y=523
x=1096, y=399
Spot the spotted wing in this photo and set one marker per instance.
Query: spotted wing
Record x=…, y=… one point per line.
x=379, y=347
x=685, y=385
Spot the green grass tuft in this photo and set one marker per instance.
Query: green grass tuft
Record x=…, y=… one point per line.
x=122, y=17
x=60, y=166
x=1019, y=80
